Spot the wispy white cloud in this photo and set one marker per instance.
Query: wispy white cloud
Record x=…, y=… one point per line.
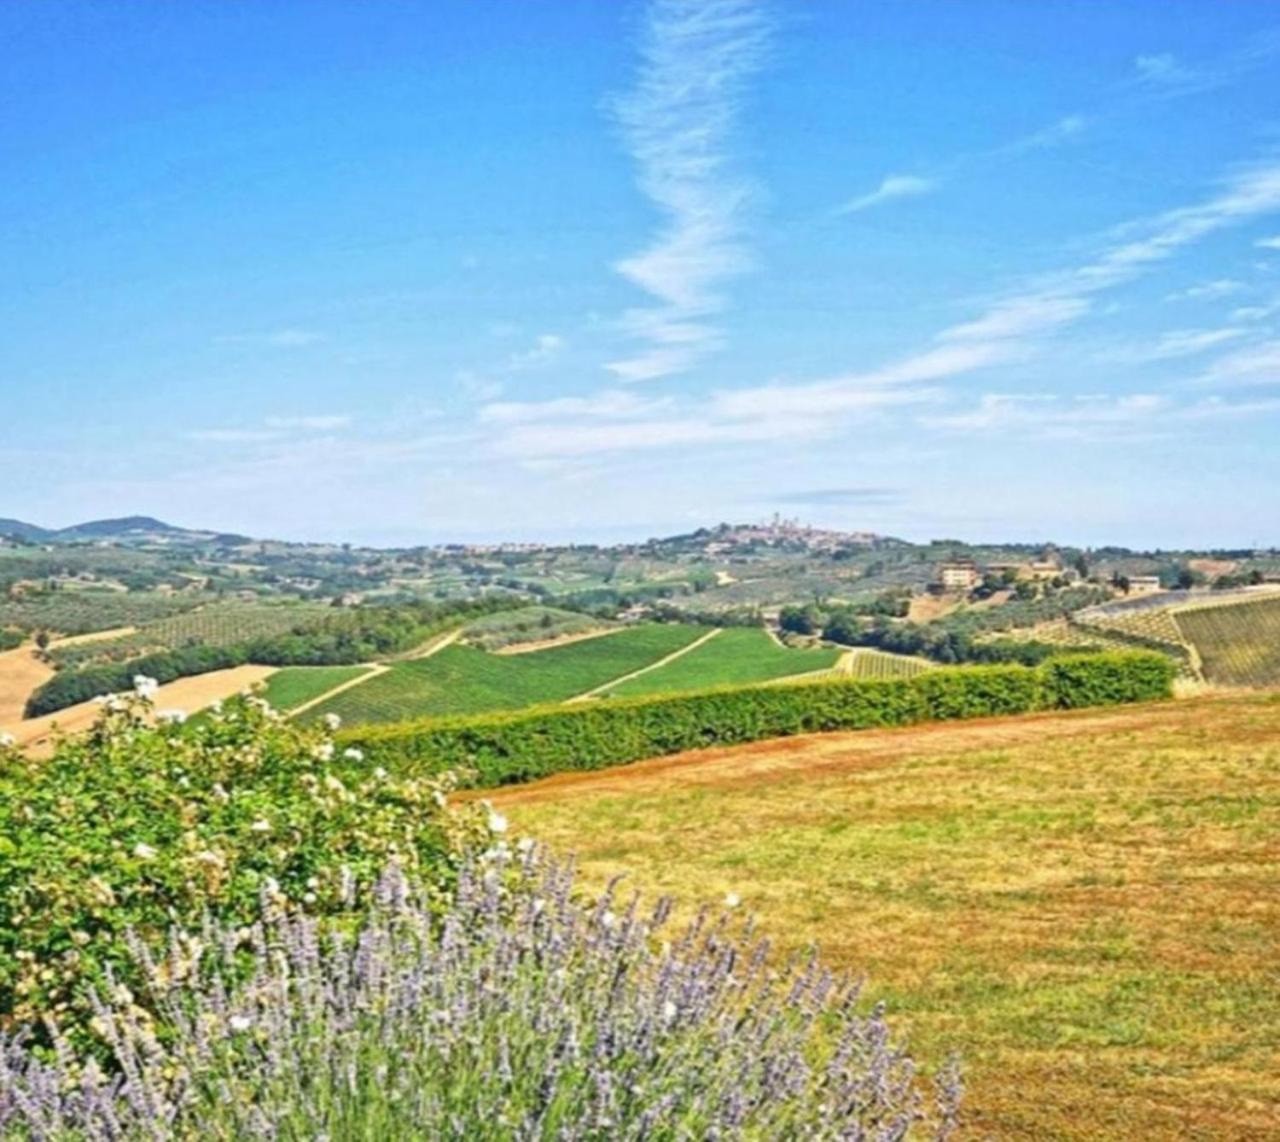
x=1256, y=365
x=546, y=347
x=1161, y=68
x=1099, y=418
x=697, y=56
x=276, y=339
x=1060, y=131
x=892, y=187
x=278, y=428
x=1009, y=331
x=1268, y=243
x=1220, y=287
x=1178, y=343
x=233, y=435
x=309, y=423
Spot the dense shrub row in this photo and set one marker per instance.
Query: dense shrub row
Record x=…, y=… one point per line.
x=359, y=635
x=517, y=747
x=11, y=638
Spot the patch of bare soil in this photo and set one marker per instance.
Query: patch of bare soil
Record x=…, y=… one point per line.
x=21, y=672
x=187, y=694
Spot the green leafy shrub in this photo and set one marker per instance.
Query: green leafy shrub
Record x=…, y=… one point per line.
x=141, y=828
x=1107, y=679
x=502, y=749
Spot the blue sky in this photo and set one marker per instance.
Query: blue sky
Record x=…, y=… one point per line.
x=410, y=272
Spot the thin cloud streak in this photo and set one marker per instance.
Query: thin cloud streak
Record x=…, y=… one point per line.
x=892, y=187
x=698, y=56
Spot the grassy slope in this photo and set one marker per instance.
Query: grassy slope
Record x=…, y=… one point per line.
x=735, y=656
x=1239, y=643
x=462, y=680
x=294, y=685
x=1086, y=906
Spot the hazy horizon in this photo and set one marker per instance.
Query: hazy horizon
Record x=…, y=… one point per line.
x=416, y=273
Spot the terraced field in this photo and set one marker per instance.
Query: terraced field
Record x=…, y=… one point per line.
x=1239, y=643
x=868, y=663
x=462, y=680
x=735, y=656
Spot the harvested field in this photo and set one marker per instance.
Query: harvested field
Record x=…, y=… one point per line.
x=20, y=673
x=188, y=694
x=1086, y=906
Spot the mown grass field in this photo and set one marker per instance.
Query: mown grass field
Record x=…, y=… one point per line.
x=462, y=680
x=294, y=686
x=735, y=656
x=1085, y=906
x=1239, y=643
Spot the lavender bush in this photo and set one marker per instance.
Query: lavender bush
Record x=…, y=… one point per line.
x=521, y=1014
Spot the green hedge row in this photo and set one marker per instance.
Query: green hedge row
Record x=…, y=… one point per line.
x=507, y=748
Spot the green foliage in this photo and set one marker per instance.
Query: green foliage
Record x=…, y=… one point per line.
x=463, y=680
x=135, y=828
x=519, y=747
x=11, y=638
x=734, y=657
x=1106, y=679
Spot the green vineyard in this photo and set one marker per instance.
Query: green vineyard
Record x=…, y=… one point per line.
x=867, y=663
x=1239, y=644
x=737, y=656
x=463, y=680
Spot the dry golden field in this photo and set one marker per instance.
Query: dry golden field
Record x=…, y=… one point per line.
x=1085, y=906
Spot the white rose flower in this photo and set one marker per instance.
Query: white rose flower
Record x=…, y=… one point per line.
x=261, y=825
x=240, y=1023
x=353, y=754
x=144, y=851
x=332, y=721
x=732, y=900
x=145, y=687
x=497, y=822
x=7, y=741
x=172, y=717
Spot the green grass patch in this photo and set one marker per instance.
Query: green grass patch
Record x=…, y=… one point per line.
x=295, y=685
x=737, y=656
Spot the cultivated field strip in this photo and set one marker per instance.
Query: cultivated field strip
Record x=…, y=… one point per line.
x=460, y=679
x=1238, y=644
x=737, y=656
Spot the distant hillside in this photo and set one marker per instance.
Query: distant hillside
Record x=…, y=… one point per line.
x=134, y=527
x=20, y=530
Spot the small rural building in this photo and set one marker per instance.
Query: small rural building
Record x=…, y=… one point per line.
x=959, y=575
x=1144, y=584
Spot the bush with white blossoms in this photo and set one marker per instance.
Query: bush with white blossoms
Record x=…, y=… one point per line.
x=142, y=827
x=522, y=1013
